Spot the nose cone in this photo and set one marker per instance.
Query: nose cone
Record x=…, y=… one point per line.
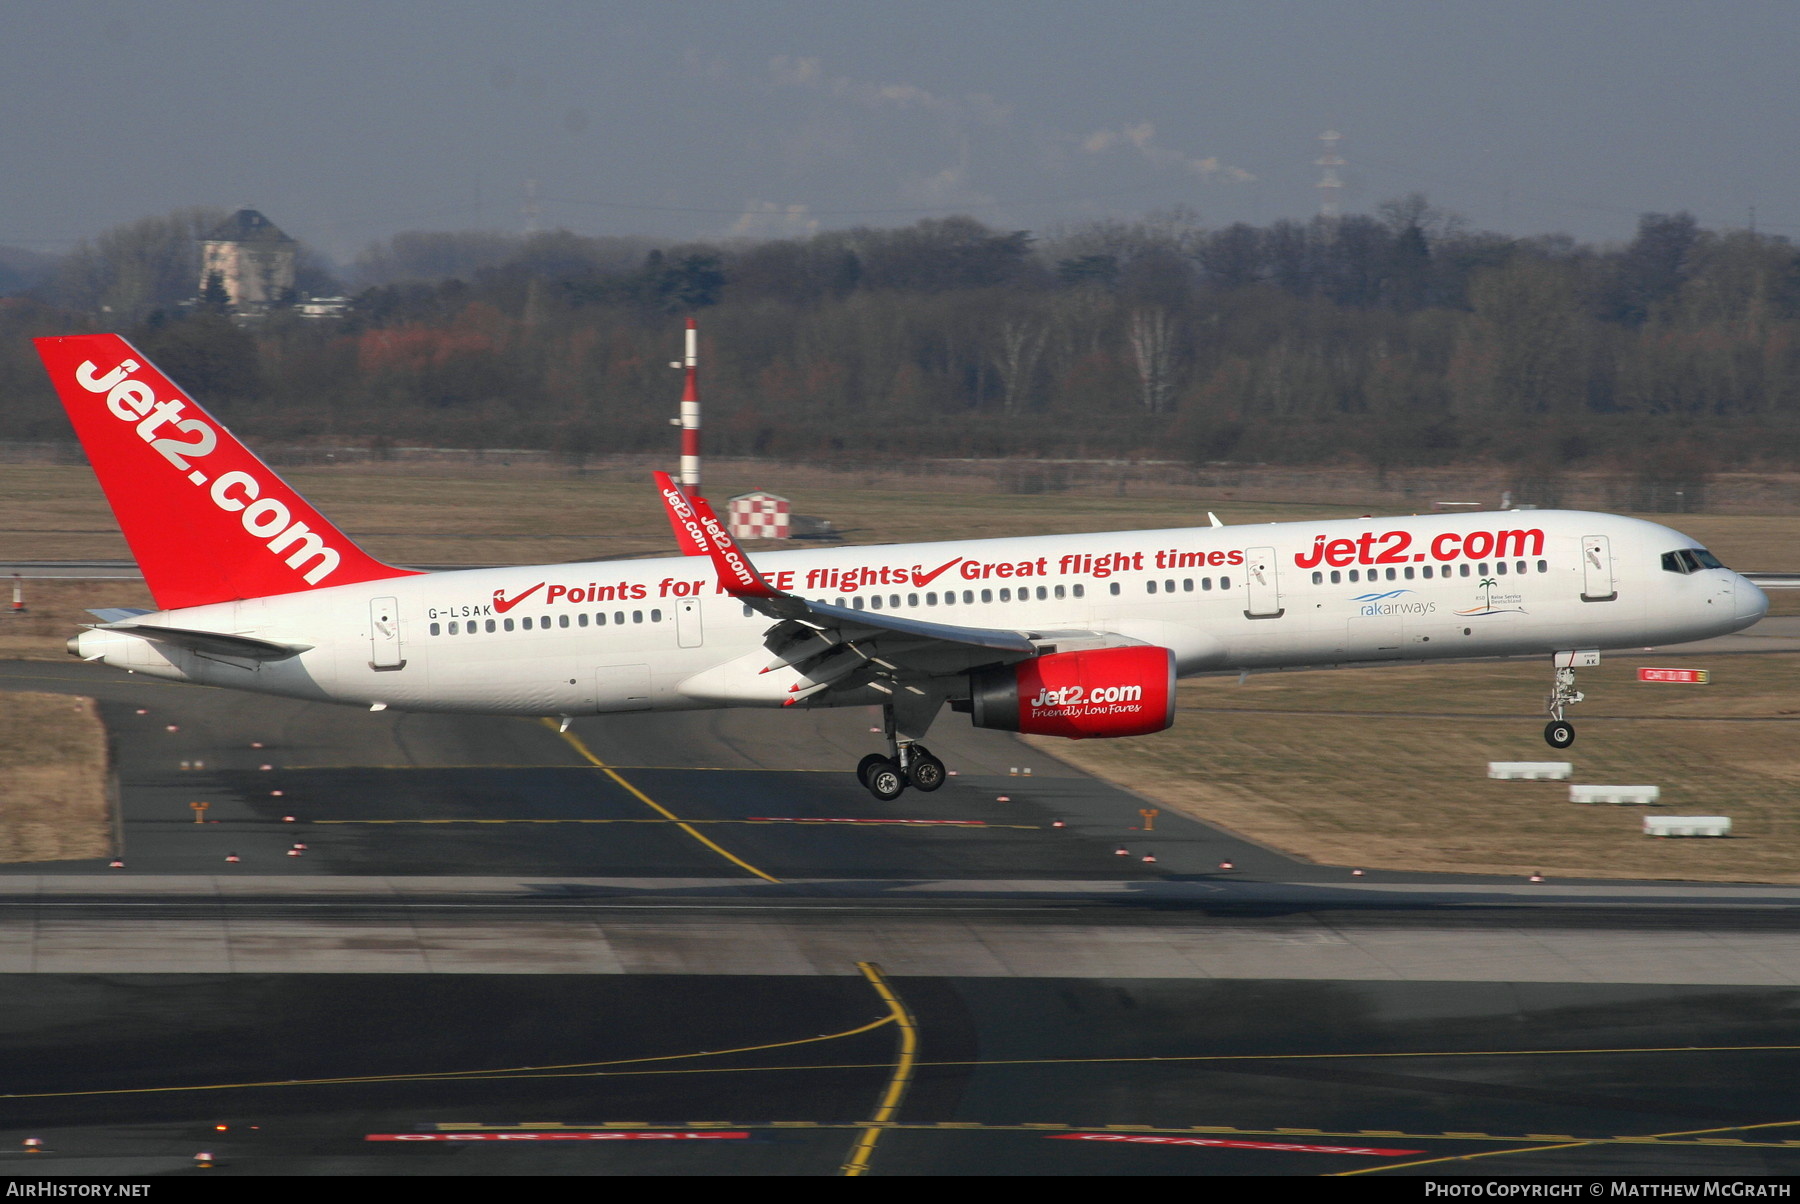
x=1752, y=604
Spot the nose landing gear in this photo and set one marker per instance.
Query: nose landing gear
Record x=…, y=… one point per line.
x=1559, y=732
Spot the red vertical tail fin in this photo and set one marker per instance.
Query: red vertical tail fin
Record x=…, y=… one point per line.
x=206, y=520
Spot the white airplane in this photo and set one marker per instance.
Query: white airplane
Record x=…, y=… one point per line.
x=1068, y=635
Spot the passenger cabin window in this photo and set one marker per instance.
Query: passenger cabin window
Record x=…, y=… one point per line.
x=525, y=622
x=656, y=616
x=490, y=625
x=434, y=629
x=1005, y=596
x=1150, y=587
x=1224, y=583
x=637, y=616
x=874, y=601
x=987, y=595
x=507, y=623
x=1080, y=591
x=1115, y=589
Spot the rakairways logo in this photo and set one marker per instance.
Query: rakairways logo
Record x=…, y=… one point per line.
x=502, y=603
x=236, y=491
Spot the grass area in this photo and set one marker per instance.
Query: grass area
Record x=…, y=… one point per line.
x=54, y=801
x=1386, y=768
x=1346, y=767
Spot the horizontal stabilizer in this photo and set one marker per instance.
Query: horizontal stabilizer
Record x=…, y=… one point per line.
x=118, y=614
x=211, y=643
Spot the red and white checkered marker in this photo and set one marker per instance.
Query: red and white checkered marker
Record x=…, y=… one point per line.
x=759, y=515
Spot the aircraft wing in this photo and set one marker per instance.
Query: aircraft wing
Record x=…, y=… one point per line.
x=830, y=645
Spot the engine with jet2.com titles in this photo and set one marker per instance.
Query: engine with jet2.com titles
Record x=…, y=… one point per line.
x=1079, y=636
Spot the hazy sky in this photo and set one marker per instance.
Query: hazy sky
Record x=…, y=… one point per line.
x=347, y=120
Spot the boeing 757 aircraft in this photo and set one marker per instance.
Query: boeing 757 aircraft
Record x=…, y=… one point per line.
x=1067, y=635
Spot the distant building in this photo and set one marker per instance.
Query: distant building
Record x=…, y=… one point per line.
x=253, y=260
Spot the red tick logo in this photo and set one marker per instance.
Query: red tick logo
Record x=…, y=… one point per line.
x=502, y=604
x=921, y=579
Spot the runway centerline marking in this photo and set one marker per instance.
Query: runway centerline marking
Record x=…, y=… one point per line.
x=858, y=1165
x=497, y=765
x=755, y=820
x=499, y=1074
x=574, y=742
x=1059, y=1128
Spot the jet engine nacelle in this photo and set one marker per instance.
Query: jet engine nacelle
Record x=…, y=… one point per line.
x=1081, y=695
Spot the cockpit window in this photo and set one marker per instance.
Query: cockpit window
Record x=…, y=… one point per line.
x=1689, y=560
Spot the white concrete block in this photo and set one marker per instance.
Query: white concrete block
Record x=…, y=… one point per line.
x=1687, y=825
x=1530, y=771
x=1630, y=796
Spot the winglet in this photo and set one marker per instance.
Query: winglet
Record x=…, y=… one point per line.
x=685, y=539
x=736, y=573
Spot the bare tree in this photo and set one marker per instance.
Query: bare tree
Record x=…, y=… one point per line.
x=1021, y=346
x=1152, y=336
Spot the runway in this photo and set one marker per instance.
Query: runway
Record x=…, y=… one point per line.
x=675, y=945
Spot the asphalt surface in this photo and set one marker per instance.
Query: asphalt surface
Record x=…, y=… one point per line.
x=132, y=1075
x=464, y=950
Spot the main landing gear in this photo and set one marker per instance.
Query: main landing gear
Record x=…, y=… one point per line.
x=906, y=763
x=1559, y=732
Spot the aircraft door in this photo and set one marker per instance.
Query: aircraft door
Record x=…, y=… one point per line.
x=622, y=688
x=1264, y=584
x=688, y=632
x=384, y=635
x=1597, y=569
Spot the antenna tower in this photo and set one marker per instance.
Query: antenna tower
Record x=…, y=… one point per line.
x=530, y=211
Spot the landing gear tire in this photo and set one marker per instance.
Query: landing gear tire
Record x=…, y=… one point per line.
x=865, y=765
x=1559, y=733
x=885, y=780
x=926, y=772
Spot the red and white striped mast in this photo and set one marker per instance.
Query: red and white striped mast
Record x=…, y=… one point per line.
x=690, y=412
